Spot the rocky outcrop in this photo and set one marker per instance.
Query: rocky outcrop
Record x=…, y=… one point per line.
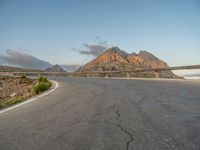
x=115, y=59
x=146, y=60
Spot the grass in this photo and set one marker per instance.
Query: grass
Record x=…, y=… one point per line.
x=10, y=102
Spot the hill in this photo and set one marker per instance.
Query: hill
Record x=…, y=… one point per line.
x=55, y=68
x=115, y=59
x=17, y=69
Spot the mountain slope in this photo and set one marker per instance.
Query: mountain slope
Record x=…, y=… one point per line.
x=17, y=69
x=115, y=59
x=55, y=68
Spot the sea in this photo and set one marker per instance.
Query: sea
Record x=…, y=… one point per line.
x=188, y=74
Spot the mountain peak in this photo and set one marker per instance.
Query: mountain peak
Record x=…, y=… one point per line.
x=117, y=50
x=148, y=54
x=55, y=68
x=144, y=52
x=114, y=49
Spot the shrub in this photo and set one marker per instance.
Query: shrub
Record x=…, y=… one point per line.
x=43, y=79
x=42, y=86
x=23, y=77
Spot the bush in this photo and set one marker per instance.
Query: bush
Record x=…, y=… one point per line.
x=42, y=86
x=23, y=77
x=43, y=79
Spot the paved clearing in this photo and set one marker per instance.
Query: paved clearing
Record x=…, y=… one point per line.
x=107, y=114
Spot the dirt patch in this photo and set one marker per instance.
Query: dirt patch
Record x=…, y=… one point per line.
x=15, y=89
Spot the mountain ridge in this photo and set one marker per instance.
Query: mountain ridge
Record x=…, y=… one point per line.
x=114, y=59
x=55, y=68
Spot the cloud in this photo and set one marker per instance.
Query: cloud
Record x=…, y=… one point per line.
x=15, y=58
x=100, y=41
x=94, y=49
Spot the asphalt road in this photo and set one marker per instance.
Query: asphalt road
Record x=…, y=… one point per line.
x=107, y=114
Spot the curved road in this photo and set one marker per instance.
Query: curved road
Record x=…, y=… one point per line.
x=107, y=114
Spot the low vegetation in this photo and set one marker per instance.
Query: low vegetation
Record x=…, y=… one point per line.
x=43, y=85
x=10, y=102
x=17, y=89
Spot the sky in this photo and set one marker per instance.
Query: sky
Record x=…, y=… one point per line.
x=66, y=31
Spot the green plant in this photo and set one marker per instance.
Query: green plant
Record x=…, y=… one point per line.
x=42, y=85
x=1, y=105
x=10, y=102
x=42, y=79
x=23, y=77
x=13, y=101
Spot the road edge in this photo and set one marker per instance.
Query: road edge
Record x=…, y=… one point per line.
x=151, y=79
x=33, y=98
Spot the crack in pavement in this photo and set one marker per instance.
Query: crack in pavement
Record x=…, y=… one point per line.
x=123, y=130
x=117, y=115
x=113, y=124
x=126, y=132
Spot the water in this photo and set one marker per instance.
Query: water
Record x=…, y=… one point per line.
x=188, y=74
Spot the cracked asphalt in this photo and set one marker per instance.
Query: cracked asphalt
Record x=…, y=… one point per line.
x=107, y=114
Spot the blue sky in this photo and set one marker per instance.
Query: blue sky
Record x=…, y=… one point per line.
x=51, y=29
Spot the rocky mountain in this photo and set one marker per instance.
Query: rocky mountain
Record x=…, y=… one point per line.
x=115, y=59
x=55, y=68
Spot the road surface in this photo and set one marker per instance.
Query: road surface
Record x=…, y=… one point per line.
x=107, y=114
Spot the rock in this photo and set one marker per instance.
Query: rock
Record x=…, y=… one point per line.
x=13, y=95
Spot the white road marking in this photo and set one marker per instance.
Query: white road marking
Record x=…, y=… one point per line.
x=32, y=99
